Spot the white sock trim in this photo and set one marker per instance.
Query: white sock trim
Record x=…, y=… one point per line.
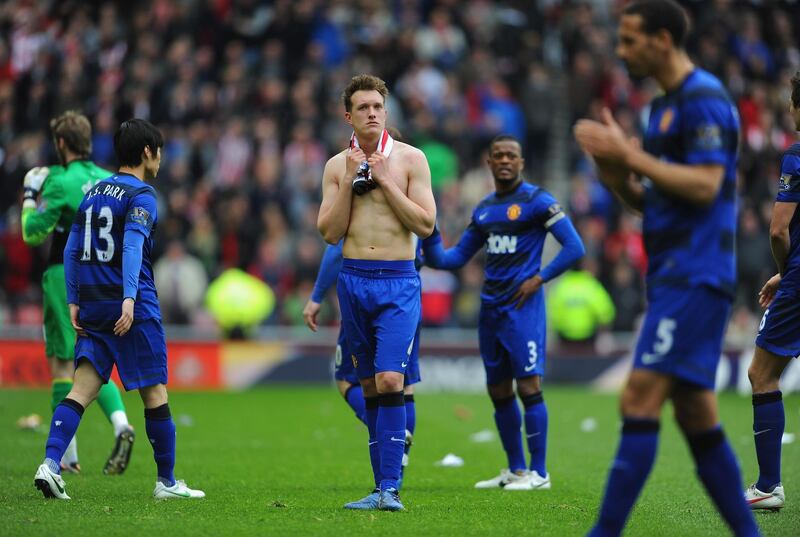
x=119, y=419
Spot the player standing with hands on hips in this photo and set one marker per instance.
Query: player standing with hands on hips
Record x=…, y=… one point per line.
x=377, y=195
x=687, y=196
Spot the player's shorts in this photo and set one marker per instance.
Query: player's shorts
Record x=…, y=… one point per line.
x=512, y=341
x=779, y=331
x=140, y=355
x=59, y=336
x=380, y=306
x=682, y=333
x=344, y=369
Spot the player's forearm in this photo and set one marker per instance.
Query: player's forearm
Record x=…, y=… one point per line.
x=35, y=226
x=132, y=245
x=692, y=183
x=415, y=218
x=71, y=275
x=627, y=192
x=780, y=242
x=333, y=221
x=572, y=250
x=329, y=269
x=439, y=258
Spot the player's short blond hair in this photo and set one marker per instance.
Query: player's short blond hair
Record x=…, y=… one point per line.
x=76, y=131
x=363, y=83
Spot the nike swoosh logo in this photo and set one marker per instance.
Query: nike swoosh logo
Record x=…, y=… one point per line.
x=761, y=432
x=403, y=364
x=181, y=494
x=59, y=487
x=372, y=443
x=756, y=500
x=529, y=368
x=533, y=434
x=393, y=439
x=481, y=217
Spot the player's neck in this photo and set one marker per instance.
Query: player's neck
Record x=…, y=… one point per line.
x=137, y=172
x=674, y=71
x=368, y=143
x=504, y=187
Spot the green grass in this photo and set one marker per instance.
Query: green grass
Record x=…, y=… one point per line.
x=283, y=461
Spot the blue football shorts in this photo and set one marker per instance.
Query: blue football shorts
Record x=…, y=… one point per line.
x=140, y=355
x=682, y=333
x=380, y=307
x=512, y=341
x=779, y=331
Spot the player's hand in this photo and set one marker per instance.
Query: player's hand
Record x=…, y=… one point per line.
x=767, y=292
x=310, y=314
x=125, y=320
x=528, y=288
x=34, y=180
x=606, y=140
x=74, y=311
x=354, y=159
x=379, y=165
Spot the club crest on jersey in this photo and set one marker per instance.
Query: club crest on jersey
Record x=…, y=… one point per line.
x=513, y=211
x=666, y=120
x=786, y=182
x=501, y=244
x=354, y=359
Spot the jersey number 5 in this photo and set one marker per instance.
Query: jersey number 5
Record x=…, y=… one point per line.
x=103, y=233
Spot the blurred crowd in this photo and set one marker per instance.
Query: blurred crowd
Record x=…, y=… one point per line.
x=247, y=93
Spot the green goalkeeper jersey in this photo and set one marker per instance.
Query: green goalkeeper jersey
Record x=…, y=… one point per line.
x=62, y=192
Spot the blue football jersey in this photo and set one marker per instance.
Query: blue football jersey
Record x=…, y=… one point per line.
x=687, y=244
x=513, y=226
x=114, y=205
x=789, y=192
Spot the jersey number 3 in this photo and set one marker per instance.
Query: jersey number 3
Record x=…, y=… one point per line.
x=103, y=233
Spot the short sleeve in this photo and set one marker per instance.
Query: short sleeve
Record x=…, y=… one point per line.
x=141, y=213
x=710, y=130
x=789, y=185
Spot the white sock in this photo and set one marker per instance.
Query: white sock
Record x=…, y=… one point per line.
x=119, y=419
x=71, y=454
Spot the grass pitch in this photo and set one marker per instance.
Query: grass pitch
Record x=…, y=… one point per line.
x=282, y=461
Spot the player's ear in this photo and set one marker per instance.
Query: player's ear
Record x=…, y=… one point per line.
x=348, y=117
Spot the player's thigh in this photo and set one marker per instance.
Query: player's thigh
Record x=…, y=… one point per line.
x=695, y=407
x=356, y=329
x=496, y=361
x=98, y=349
x=395, y=322
x=682, y=333
x=59, y=336
x=523, y=334
x=86, y=383
x=413, y=375
x=644, y=394
x=778, y=337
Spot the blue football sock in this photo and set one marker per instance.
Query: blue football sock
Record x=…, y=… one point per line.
x=509, y=422
x=411, y=417
x=371, y=406
x=629, y=471
x=391, y=428
x=719, y=472
x=161, y=432
x=768, y=425
x=66, y=418
x=355, y=398
x=536, y=431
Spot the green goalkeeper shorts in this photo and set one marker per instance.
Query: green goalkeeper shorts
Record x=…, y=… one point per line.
x=59, y=336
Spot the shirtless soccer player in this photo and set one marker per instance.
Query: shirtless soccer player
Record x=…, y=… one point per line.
x=377, y=195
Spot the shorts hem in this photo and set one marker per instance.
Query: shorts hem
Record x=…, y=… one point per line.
x=775, y=349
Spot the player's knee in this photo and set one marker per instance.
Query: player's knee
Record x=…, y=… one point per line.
x=761, y=379
x=502, y=390
x=389, y=382
x=639, y=402
x=62, y=369
x=154, y=396
x=529, y=386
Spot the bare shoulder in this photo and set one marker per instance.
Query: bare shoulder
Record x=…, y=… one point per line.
x=409, y=152
x=336, y=164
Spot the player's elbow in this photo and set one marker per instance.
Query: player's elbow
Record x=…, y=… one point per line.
x=706, y=190
x=777, y=230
